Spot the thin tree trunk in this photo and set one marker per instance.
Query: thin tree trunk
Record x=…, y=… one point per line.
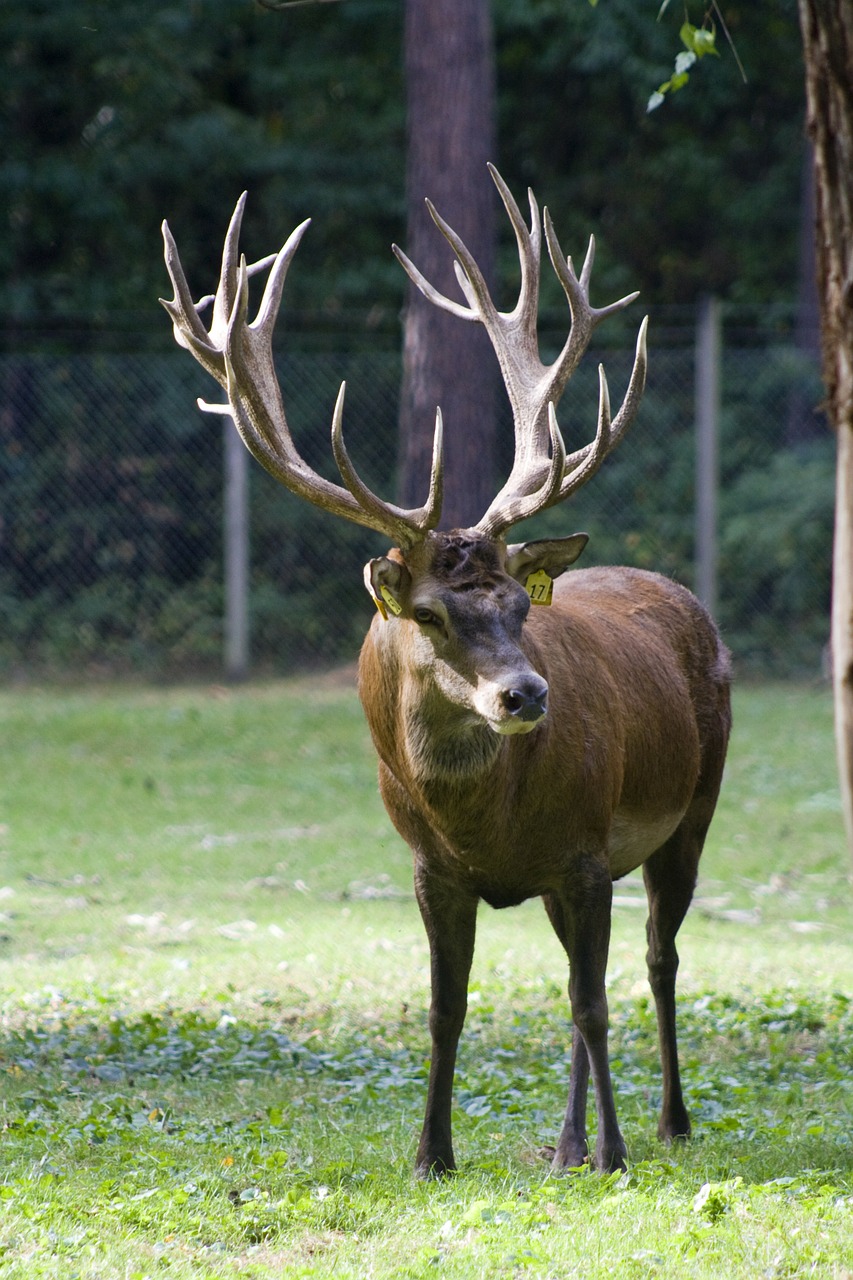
x=827, y=27
x=842, y=624
x=805, y=420
x=448, y=362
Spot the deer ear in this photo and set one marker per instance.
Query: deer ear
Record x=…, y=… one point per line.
x=387, y=583
x=554, y=555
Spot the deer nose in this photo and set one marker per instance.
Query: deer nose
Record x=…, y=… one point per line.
x=528, y=700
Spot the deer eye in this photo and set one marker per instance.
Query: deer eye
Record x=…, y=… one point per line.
x=426, y=618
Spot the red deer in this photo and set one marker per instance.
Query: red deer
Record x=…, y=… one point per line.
x=523, y=752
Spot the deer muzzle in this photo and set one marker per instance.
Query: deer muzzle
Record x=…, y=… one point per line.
x=529, y=703
x=518, y=704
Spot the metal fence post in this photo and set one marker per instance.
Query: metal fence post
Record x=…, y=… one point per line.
x=236, y=553
x=708, y=346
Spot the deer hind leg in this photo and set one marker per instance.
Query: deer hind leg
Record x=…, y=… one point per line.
x=581, y=919
x=670, y=878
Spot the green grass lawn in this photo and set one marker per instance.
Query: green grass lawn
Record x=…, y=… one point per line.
x=213, y=991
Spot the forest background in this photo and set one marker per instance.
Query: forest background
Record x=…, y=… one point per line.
x=116, y=115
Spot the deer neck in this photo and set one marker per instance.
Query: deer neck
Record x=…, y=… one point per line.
x=426, y=740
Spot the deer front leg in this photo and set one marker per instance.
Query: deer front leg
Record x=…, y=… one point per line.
x=572, y=1150
x=581, y=919
x=449, y=915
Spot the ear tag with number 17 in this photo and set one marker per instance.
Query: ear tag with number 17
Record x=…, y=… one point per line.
x=391, y=600
x=540, y=587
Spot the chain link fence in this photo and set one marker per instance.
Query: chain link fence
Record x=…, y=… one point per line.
x=111, y=497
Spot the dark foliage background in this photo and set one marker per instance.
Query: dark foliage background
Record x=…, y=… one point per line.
x=114, y=115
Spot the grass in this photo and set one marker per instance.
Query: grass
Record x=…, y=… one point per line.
x=213, y=984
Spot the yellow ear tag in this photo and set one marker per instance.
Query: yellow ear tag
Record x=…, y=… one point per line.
x=540, y=587
x=383, y=612
x=391, y=600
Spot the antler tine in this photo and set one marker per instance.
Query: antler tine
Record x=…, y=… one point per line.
x=577, y=288
x=238, y=354
x=418, y=521
x=264, y=322
x=596, y=452
x=429, y=291
x=620, y=424
x=232, y=275
x=585, y=317
x=529, y=243
x=187, y=326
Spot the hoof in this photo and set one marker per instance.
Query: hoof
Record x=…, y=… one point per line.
x=611, y=1161
x=432, y=1170
x=674, y=1133
x=571, y=1161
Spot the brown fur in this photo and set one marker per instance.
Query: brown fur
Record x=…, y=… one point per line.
x=624, y=770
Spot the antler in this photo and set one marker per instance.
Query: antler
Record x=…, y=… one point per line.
x=238, y=354
x=542, y=473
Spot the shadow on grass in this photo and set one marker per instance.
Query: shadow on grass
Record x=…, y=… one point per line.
x=766, y=1080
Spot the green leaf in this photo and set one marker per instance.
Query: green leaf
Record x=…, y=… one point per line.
x=699, y=40
x=705, y=41
x=476, y=1213
x=688, y=35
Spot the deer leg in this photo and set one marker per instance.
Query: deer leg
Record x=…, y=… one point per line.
x=670, y=878
x=581, y=918
x=449, y=916
x=573, y=1149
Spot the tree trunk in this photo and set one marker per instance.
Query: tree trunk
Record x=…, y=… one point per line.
x=446, y=361
x=827, y=27
x=806, y=422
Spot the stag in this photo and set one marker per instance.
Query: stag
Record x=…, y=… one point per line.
x=523, y=751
